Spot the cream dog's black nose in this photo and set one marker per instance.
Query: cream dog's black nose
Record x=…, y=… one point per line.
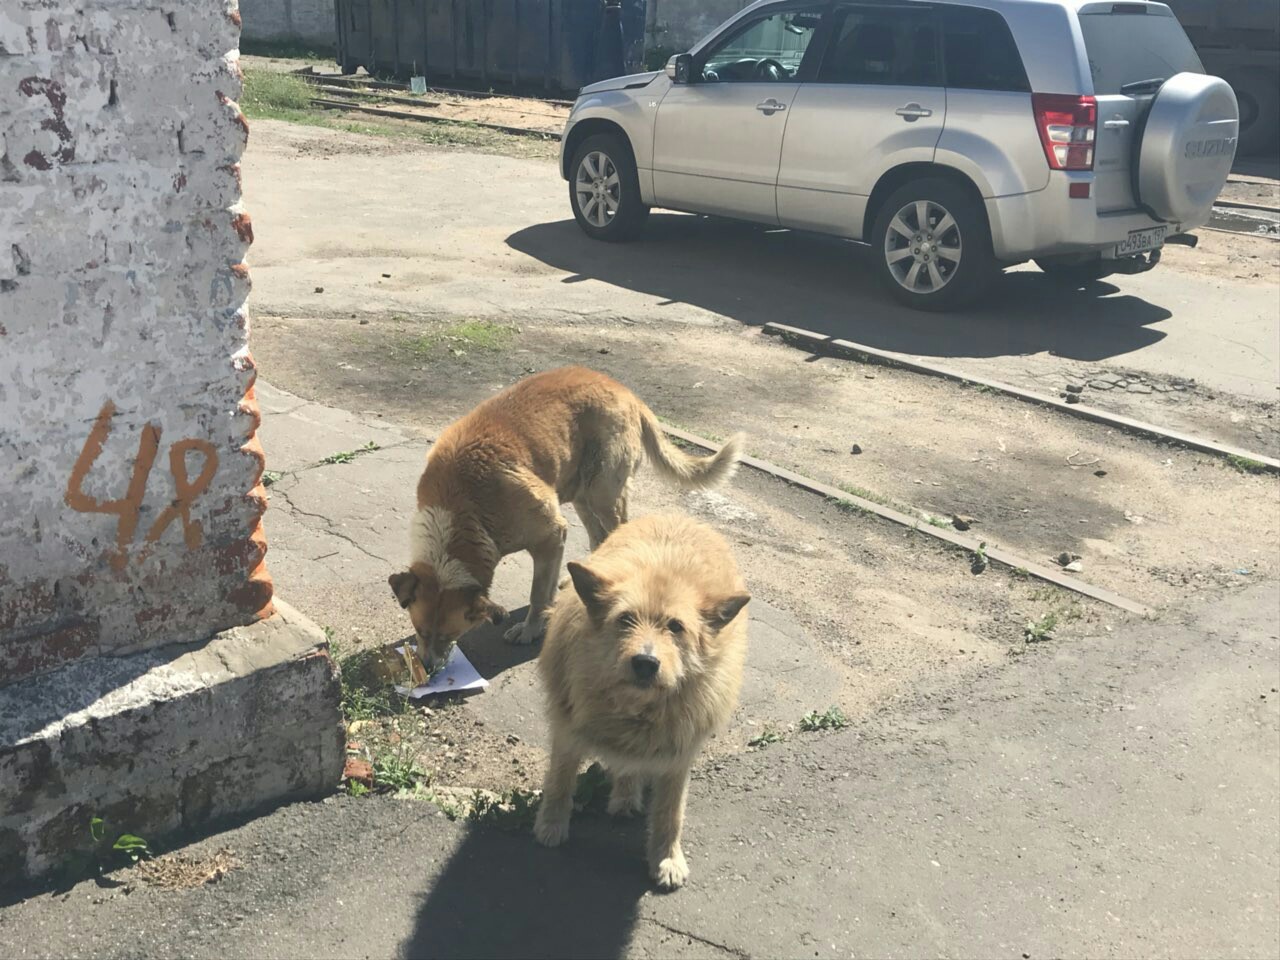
x=645, y=666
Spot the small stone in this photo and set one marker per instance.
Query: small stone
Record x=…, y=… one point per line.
x=1138, y=388
x=1065, y=559
x=1073, y=398
x=364, y=323
x=319, y=289
x=1163, y=388
x=603, y=350
x=1099, y=473
x=386, y=276
x=1075, y=566
x=855, y=449
x=962, y=522
x=1102, y=384
x=1075, y=388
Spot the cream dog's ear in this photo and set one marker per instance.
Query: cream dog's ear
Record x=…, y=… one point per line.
x=720, y=613
x=593, y=589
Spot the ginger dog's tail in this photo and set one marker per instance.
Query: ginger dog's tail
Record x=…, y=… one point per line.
x=687, y=471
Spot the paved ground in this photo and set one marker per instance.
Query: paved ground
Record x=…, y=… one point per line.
x=1113, y=792
x=1111, y=797
x=492, y=236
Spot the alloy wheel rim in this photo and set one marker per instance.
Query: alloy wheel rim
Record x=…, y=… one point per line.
x=922, y=246
x=598, y=189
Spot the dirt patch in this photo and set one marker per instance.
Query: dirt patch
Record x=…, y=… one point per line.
x=1233, y=256
x=179, y=871
x=1131, y=508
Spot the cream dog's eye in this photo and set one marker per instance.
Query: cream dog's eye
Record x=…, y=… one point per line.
x=675, y=626
x=628, y=620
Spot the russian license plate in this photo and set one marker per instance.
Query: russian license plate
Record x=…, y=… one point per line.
x=1140, y=241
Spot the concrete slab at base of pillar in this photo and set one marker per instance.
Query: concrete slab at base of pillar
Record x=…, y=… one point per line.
x=166, y=740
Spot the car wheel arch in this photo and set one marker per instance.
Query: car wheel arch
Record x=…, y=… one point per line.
x=590, y=127
x=903, y=174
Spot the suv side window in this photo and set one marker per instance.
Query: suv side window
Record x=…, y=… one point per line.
x=979, y=51
x=770, y=48
x=883, y=45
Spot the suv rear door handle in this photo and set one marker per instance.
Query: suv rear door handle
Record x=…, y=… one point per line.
x=913, y=112
x=1118, y=123
x=770, y=106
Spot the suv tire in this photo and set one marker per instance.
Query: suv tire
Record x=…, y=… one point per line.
x=604, y=189
x=925, y=268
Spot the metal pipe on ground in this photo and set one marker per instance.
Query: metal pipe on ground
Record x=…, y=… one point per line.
x=837, y=347
x=950, y=537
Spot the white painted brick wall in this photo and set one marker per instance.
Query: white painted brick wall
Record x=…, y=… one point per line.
x=307, y=21
x=122, y=287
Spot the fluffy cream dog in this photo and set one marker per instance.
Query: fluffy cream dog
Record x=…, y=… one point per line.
x=642, y=662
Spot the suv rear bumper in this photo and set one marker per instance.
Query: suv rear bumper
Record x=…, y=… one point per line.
x=1049, y=223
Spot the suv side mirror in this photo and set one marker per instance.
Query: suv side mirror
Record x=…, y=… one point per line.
x=680, y=67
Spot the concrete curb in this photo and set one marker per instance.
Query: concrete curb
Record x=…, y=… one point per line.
x=837, y=347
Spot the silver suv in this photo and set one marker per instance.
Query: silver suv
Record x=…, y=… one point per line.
x=954, y=138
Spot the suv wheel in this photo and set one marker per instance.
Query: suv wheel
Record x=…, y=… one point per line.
x=604, y=189
x=932, y=246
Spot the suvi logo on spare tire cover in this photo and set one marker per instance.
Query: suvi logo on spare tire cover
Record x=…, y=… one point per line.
x=1210, y=148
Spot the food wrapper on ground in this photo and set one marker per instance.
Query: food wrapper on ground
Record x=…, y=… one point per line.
x=417, y=672
x=457, y=676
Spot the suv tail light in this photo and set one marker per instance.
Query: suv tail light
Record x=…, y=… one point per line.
x=1068, y=126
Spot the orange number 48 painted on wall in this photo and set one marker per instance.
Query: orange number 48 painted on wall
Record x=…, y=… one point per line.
x=129, y=507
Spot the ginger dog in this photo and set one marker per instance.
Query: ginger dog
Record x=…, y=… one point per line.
x=642, y=662
x=493, y=486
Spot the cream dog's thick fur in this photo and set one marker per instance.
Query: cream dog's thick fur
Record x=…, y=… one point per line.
x=642, y=662
x=494, y=482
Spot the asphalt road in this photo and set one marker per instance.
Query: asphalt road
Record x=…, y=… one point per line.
x=1112, y=797
x=472, y=235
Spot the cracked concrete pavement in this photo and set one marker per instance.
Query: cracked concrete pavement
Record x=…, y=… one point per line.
x=1112, y=794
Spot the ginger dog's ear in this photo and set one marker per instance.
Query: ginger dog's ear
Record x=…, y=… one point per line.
x=404, y=586
x=592, y=588
x=720, y=614
x=480, y=607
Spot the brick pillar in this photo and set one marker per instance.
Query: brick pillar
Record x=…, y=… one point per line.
x=130, y=502
x=145, y=676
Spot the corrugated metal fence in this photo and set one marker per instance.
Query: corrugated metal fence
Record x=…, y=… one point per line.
x=552, y=45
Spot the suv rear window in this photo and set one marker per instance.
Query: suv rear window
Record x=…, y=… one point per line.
x=979, y=52
x=1127, y=47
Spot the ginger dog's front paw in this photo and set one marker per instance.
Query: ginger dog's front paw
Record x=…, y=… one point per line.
x=525, y=633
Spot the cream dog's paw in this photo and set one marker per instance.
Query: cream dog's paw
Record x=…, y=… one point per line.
x=671, y=873
x=551, y=833
x=626, y=797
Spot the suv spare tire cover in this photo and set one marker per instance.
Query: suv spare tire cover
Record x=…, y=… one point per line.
x=1188, y=146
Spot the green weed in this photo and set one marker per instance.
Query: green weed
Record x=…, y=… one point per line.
x=1037, y=631
x=271, y=477
x=131, y=845
x=347, y=456
x=468, y=336
x=766, y=737
x=1246, y=465
x=397, y=771
x=979, y=562
x=277, y=96
x=513, y=810
x=831, y=719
